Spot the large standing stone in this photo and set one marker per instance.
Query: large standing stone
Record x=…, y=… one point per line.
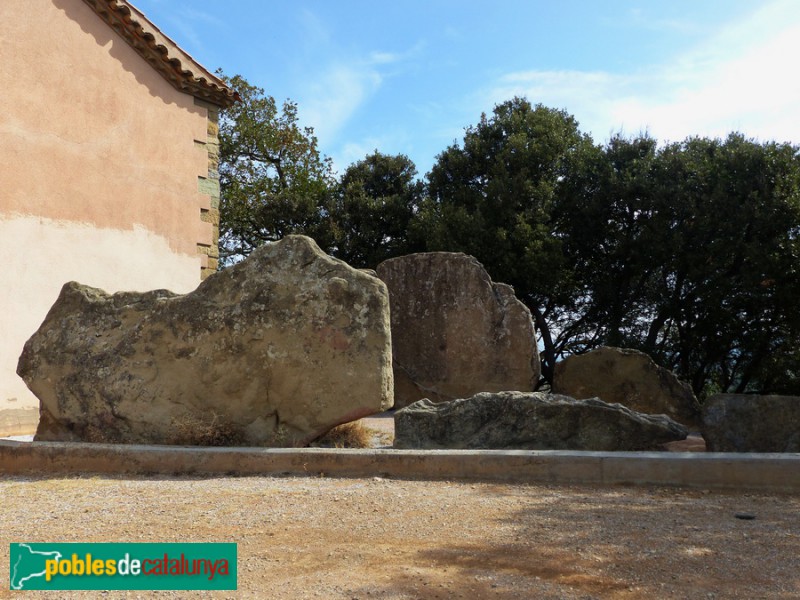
x=275, y=350
x=749, y=423
x=531, y=421
x=627, y=377
x=454, y=331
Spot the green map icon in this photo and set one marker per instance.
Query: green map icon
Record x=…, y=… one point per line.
x=123, y=566
x=28, y=564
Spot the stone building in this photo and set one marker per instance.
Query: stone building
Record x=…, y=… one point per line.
x=108, y=164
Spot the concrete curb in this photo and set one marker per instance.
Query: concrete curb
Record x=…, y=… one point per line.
x=755, y=472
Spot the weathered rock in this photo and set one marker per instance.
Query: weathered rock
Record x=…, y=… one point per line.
x=531, y=421
x=275, y=350
x=455, y=332
x=749, y=423
x=630, y=378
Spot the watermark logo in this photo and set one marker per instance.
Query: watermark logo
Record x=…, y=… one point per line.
x=41, y=566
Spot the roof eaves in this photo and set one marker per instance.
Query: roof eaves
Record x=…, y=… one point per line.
x=163, y=54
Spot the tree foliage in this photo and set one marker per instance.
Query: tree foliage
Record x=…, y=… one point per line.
x=494, y=197
x=691, y=257
x=603, y=218
x=688, y=251
x=273, y=179
x=371, y=211
x=728, y=213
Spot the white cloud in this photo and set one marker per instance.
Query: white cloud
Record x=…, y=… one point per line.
x=384, y=58
x=639, y=18
x=189, y=34
x=335, y=96
x=352, y=152
x=742, y=79
x=315, y=32
x=394, y=58
x=188, y=12
x=189, y=23
x=589, y=96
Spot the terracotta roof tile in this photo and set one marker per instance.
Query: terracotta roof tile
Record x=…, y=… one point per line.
x=163, y=54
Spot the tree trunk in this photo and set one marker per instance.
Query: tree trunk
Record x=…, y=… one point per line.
x=548, y=355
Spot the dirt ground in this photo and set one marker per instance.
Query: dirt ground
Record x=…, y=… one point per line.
x=317, y=537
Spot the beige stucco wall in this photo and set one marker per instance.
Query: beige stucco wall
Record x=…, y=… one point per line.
x=99, y=165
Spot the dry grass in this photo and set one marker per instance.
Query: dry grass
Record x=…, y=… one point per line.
x=347, y=435
x=192, y=430
x=96, y=435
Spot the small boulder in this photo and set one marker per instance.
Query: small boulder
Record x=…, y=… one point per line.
x=750, y=423
x=630, y=378
x=273, y=351
x=531, y=421
x=454, y=331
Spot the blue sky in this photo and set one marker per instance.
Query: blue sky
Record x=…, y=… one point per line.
x=407, y=76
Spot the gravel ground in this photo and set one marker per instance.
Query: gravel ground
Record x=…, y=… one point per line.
x=389, y=539
x=379, y=538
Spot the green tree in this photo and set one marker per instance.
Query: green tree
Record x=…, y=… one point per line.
x=494, y=196
x=690, y=254
x=375, y=202
x=728, y=215
x=273, y=179
x=603, y=218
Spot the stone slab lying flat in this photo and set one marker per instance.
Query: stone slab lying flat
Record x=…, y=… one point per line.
x=531, y=421
x=756, y=472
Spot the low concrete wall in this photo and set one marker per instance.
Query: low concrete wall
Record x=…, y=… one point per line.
x=761, y=472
